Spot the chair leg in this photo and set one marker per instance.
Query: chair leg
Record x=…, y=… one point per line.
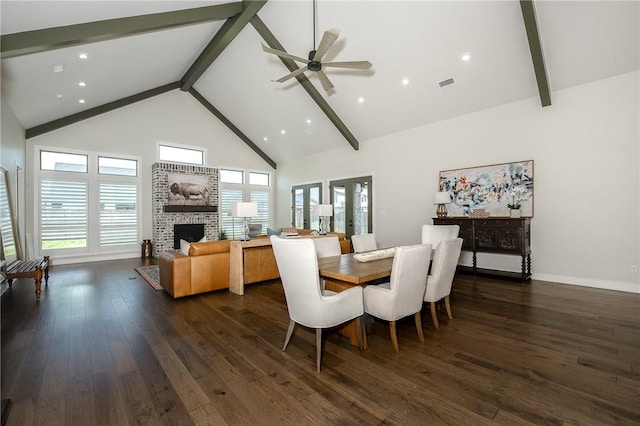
x=292, y=324
x=394, y=336
x=419, y=326
x=318, y=348
x=434, y=315
x=448, y=306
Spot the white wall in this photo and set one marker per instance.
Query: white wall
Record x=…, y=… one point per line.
x=585, y=148
x=174, y=117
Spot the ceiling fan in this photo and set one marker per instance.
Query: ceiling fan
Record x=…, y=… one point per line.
x=314, y=61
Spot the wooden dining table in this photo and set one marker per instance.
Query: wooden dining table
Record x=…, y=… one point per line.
x=343, y=272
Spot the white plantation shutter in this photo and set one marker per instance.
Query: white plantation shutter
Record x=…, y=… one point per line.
x=232, y=226
x=63, y=214
x=118, y=214
x=234, y=189
x=263, y=199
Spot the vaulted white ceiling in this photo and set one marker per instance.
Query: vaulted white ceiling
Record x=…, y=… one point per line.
x=421, y=41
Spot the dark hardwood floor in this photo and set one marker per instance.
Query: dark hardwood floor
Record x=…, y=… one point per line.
x=102, y=347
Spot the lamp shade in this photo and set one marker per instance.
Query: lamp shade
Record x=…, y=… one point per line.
x=323, y=210
x=442, y=197
x=244, y=209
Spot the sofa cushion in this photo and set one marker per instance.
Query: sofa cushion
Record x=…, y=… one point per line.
x=209, y=247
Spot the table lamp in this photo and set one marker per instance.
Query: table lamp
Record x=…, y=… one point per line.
x=442, y=198
x=245, y=211
x=324, y=212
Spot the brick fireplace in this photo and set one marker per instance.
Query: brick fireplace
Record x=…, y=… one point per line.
x=164, y=220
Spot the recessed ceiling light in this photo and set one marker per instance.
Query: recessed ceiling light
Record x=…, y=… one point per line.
x=82, y=84
x=283, y=131
x=361, y=99
x=57, y=68
x=466, y=57
x=83, y=55
x=308, y=121
x=81, y=101
x=266, y=139
x=405, y=81
x=59, y=96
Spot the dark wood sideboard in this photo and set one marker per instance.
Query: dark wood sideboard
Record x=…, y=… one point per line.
x=498, y=235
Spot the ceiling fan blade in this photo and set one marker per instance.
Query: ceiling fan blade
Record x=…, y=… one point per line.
x=328, y=38
x=326, y=83
x=293, y=74
x=284, y=54
x=357, y=65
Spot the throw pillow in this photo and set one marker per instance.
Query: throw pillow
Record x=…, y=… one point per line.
x=271, y=232
x=185, y=245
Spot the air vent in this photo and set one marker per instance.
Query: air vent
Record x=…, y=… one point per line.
x=449, y=81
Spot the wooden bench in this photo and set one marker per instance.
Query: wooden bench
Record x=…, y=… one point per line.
x=28, y=269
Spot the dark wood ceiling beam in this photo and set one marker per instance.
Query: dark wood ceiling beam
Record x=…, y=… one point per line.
x=535, y=46
x=271, y=40
x=231, y=126
x=92, y=112
x=28, y=42
x=220, y=41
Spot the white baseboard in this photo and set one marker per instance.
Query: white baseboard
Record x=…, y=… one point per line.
x=584, y=282
x=587, y=282
x=67, y=260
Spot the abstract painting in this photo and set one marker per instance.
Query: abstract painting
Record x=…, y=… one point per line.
x=491, y=188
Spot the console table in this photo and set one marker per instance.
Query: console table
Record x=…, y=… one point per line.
x=497, y=235
x=254, y=261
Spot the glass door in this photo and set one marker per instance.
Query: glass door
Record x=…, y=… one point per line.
x=304, y=197
x=352, y=204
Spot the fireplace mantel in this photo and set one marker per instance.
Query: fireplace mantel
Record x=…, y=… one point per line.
x=173, y=208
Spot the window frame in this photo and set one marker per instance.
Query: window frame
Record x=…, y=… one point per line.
x=246, y=189
x=200, y=149
x=93, y=179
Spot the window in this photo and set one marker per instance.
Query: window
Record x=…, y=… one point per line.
x=61, y=161
x=259, y=179
x=96, y=212
x=117, y=166
x=63, y=214
x=233, y=189
x=231, y=176
x=352, y=202
x=304, y=197
x=118, y=214
x=177, y=154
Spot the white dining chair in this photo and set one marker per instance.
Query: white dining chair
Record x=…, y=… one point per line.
x=402, y=295
x=307, y=303
x=433, y=234
x=440, y=279
x=364, y=242
x=327, y=246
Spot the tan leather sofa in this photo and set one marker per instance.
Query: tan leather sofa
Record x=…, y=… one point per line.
x=205, y=269
x=208, y=264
